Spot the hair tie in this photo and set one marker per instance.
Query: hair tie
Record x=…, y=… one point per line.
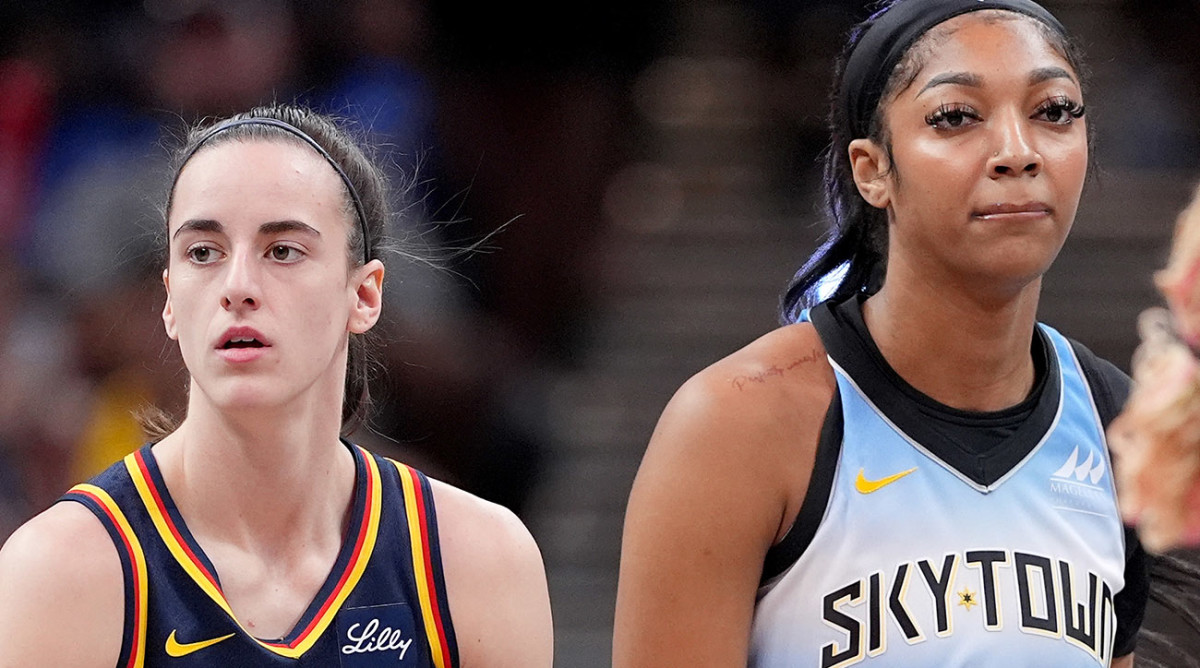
x=886, y=40
x=288, y=127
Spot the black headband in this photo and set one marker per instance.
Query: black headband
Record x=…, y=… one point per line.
x=288, y=127
x=886, y=40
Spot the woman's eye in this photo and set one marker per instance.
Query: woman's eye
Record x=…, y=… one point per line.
x=951, y=117
x=1060, y=110
x=202, y=254
x=283, y=253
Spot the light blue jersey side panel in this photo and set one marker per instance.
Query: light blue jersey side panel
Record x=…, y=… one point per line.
x=916, y=565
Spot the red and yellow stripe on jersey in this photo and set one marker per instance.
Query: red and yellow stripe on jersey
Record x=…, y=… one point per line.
x=133, y=561
x=364, y=545
x=423, y=576
x=388, y=573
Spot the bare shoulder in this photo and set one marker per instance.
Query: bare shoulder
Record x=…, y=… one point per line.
x=722, y=479
x=61, y=577
x=759, y=408
x=495, y=582
x=65, y=544
x=780, y=374
x=474, y=525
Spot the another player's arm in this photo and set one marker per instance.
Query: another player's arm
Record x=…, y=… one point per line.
x=62, y=593
x=495, y=583
x=1123, y=662
x=721, y=479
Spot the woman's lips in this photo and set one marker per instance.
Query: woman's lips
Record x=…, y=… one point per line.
x=242, y=355
x=241, y=344
x=1013, y=212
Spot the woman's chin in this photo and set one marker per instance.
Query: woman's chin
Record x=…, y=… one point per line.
x=244, y=396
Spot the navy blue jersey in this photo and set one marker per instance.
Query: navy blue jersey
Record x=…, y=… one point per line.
x=383, y=604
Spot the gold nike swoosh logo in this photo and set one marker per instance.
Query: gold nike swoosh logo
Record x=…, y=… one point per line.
x=178, y=649
x=867, y=486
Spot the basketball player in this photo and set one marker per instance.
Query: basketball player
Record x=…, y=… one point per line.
x=914, y=472
x=252, y=534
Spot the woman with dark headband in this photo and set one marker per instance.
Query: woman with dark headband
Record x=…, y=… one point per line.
x=252, y=533
x=913, y=471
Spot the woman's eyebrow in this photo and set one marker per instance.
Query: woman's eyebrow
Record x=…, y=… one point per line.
x=266, y=229
x=1043, y=74
x=199, y=225
x=281, y=226
x=953, y=78
x=1037, y=76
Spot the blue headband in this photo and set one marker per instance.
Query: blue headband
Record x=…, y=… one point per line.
x=886, y=40
x=288, y=127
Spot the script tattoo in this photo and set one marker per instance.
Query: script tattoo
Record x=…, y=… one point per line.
x=741, y=382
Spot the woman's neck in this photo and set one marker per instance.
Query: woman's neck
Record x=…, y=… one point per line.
x=966, y=352
x=258, y=479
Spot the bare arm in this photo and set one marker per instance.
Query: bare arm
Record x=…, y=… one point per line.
x=495, y=583
x=61, y=593
x=1123, y=661
x=719, y=484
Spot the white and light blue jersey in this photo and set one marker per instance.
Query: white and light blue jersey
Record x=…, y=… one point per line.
x=929, y=553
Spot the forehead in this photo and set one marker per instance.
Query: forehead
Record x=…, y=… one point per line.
x=990, y=41
x=257, y=180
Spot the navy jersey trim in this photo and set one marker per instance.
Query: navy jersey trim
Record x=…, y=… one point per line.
x=358, y=515
x=133, y=570
x=125, y=657
x=168, y=502
x=439, y=576
x=428, y=577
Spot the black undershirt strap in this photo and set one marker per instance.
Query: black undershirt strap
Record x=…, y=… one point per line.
x=783, y=554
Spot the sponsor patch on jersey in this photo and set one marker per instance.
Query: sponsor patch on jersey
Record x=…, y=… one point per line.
x=1077, y=485
x=378, y=635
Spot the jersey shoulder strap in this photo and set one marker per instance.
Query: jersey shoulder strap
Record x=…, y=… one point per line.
x=1110, y=386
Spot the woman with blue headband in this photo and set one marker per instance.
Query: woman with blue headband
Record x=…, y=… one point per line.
x=252, y=533
x=913, y=471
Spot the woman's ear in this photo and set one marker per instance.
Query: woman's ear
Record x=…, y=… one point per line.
x=368, y=293
x=168, y=315
x=870, y=166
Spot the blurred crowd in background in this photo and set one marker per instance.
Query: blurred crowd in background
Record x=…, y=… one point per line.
x=562, y=134
x=502, y=121
x=494, y=127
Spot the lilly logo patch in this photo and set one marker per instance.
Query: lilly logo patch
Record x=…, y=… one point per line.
x=370, y=634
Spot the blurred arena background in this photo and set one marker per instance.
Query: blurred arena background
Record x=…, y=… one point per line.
x=655, y=161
